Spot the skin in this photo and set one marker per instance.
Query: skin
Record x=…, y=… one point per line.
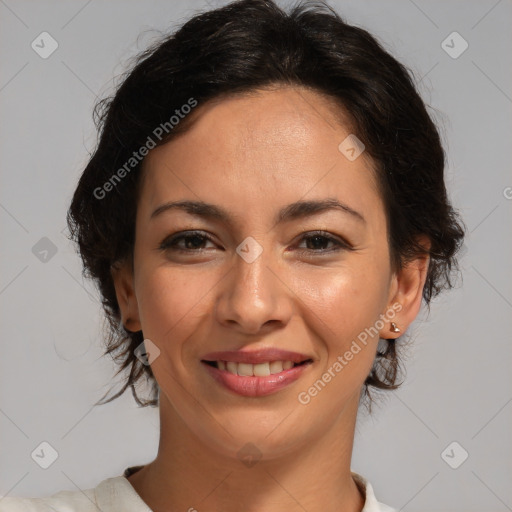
x=253, y=154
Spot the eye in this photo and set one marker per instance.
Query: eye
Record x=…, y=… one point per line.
x=193, y=242
x=317, y=241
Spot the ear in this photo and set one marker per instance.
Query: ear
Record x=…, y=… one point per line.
x=122, y=275
x=407, y=290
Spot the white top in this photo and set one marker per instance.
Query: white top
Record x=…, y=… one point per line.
x=117, y=494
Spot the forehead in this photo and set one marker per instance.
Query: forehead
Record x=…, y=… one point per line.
x=280, y=116
x=268, y=145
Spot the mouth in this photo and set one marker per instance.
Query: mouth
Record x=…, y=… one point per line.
x=255, y=370
x=255, y=374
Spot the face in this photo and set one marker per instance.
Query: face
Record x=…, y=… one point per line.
x=252, y=275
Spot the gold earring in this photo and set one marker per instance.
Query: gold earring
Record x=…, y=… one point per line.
x=394, y=327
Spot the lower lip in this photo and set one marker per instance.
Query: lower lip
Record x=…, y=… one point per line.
x=256, y=386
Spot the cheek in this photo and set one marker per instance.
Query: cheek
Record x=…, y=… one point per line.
x=170, y=303
x=347, y=300
x=341, y=309
x=171, y=306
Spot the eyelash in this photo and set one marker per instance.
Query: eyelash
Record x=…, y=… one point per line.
x=170, y=243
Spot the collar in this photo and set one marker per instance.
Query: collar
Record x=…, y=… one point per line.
x=114, y=494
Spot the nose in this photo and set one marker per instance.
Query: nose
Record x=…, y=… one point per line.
x=253, y=297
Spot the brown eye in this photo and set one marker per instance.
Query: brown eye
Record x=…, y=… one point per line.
x=317, y=242
x=193, y=241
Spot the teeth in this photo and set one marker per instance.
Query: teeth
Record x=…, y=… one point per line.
x=276, y=366
x=245, y=369
x=261, y=370
x=232, y=367
x=258, y=370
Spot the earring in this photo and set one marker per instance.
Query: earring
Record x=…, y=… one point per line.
x=394, y=327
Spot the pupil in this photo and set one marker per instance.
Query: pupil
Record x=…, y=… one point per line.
x=197, y=238
x=321, y=241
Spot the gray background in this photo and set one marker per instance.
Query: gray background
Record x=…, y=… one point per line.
x=458, y=384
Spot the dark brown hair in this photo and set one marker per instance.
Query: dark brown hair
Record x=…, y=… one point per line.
x=241, y=47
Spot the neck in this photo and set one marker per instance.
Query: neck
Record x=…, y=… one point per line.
x=189, y=474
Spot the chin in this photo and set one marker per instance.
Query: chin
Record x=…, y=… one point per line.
x=250, y=435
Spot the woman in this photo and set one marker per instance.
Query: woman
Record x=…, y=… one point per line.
x=264, y=214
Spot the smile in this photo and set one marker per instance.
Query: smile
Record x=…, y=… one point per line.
x=254, y=370
x=255, y=380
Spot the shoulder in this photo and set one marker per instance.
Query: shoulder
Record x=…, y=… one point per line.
x=63, y=501
x=107, y=496
x=371, y=504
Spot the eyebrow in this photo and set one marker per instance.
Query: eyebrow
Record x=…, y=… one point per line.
x=299, y=209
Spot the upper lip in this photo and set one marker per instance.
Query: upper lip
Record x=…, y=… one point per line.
x=256, y=356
